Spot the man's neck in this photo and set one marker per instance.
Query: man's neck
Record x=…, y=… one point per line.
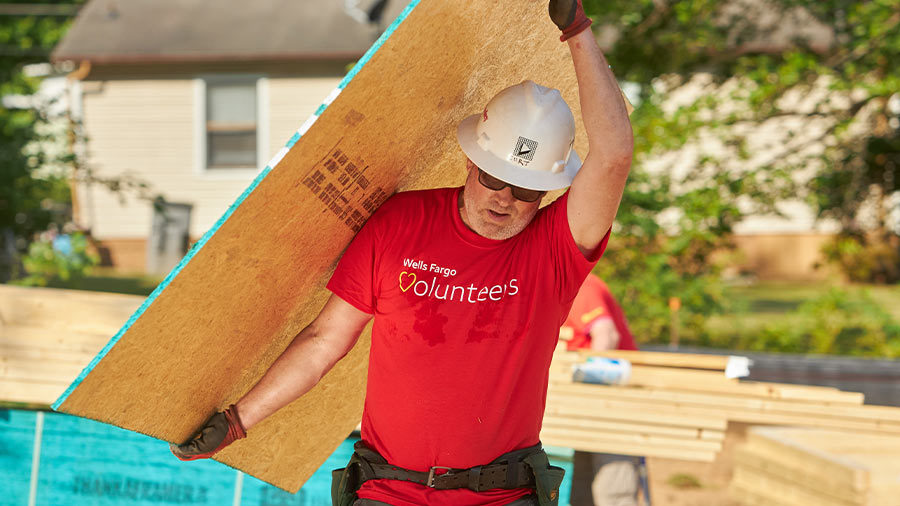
x=461, y=208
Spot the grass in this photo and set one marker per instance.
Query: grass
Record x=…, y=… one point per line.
x=109, y=280
x=766, y=303
x=27, y=406
x=684, y=481
x=772, y=298
x=760, y=304
x=889, y=297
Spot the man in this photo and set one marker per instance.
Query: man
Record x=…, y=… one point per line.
x=597, y=322
x=468, y=287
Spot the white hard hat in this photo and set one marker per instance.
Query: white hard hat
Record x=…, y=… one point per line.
x=524, y=137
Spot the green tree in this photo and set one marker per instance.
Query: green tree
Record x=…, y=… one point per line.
x=710, y=73
x=28, y=203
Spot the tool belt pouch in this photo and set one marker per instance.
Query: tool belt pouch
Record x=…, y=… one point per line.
x=347, y=481
x=344, y=484
x=547, y=478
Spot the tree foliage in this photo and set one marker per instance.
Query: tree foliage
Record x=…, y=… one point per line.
x=66, y=257
x=28, y=203
x=711, y=73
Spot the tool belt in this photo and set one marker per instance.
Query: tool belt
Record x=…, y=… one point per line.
x=525, y=468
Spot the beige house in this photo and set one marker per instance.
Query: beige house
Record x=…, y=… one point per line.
x=193, y=98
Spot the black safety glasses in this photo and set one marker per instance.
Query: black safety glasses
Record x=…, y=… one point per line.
x=523, y=194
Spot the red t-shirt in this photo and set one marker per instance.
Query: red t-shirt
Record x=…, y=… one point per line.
x=593, y=302
x=464, y=330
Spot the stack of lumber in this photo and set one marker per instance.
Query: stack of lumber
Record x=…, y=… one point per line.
x=594, y=418
x=47, y=336
x=790, y=466
x=677, y=406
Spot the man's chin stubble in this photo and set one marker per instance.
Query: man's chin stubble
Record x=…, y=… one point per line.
x=500, y=232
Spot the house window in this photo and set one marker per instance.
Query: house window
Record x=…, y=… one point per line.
x=231, y=123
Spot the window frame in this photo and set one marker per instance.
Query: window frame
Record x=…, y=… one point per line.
x=201, y=139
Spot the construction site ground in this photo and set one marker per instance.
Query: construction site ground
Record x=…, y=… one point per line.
x=686, y=483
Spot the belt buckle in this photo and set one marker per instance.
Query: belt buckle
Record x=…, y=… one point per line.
x=429, y=482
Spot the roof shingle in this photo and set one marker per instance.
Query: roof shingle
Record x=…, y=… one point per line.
x=129, y=31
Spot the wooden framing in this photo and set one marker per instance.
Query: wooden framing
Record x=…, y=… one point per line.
x=794, y=466
x=48, y=336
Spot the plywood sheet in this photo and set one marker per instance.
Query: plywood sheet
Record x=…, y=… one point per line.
x=226, y=312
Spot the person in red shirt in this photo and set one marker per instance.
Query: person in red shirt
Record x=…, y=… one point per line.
x=597, y=322
x=468, y=288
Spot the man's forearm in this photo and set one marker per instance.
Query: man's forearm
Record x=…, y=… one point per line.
x=311, y=354
x=295, y=372
x=602, y=106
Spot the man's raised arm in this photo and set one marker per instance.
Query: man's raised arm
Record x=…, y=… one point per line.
x=597, y=189
x=311, y=354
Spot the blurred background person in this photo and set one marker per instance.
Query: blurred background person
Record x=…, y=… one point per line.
x=597, y=322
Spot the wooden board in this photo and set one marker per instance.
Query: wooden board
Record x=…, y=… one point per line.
x=549, y=433
x=658, y=358
x=669, y=375
x=47, y=336
x=889, y=416
x=225, y=313
x=629, y=448
x=781, y=492
x=841, y=445
x=603, y=424
x=792, y=465
x=31, y=391
x=66, y=311
x=694, y=406
x=796, y=471
x=53, y=338
x=561, y=405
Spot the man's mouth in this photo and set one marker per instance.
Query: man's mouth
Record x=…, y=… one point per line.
x=497, y=215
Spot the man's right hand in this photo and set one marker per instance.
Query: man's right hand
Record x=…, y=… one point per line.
x=569, y=17
x=222, y=429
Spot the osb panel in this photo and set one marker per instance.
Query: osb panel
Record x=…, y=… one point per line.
x=211, y=333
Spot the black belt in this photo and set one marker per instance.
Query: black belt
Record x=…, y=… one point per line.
x=507, y=471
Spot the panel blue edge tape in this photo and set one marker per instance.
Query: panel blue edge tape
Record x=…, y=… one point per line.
x=209, y=233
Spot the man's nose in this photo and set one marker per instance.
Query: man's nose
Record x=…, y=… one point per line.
x=505, y=196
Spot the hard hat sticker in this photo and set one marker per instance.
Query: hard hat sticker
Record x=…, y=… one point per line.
x=524, y=151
